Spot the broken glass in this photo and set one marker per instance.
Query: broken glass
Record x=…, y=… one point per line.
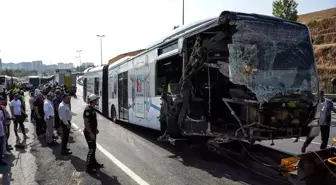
x=272, y=58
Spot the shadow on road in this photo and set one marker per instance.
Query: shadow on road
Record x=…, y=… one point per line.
x=105, y=179
x=197, y=156
x=6, y=170
x=79, y=166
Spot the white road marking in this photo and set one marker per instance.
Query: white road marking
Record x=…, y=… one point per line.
x=123, y=167
x=317, y=143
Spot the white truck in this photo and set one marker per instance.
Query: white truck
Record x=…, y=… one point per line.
x=65, y=76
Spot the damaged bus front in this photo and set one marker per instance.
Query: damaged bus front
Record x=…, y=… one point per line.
x=245, y=76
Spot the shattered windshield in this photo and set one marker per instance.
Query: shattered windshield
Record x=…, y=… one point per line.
x=272, y=58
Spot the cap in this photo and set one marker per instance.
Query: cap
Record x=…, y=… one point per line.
x=93, y=97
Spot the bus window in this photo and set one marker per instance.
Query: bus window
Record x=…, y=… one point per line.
x=168, y=74
x=2, y=80
x=96, y=86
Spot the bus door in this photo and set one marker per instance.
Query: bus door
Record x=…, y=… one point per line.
x=123, y=95
x=84, y=89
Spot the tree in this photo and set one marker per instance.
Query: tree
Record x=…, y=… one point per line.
x=286, y=9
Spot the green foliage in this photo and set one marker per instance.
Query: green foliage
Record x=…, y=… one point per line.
x=286, y=9
x=17, y=72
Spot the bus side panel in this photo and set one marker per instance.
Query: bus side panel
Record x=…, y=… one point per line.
x=144, y=108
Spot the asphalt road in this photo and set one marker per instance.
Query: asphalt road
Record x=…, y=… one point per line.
x=132, y=155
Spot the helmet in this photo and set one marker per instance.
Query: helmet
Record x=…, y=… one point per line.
x=92, y=97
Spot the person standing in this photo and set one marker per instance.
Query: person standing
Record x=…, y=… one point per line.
x=39, y=113
x=90, y=133
x=2, y=138
x=65, y=117
x=56, y=101
x=324, y=123
x=49, y=115
x=18, y=115
x=32, y=109
x=7, y=121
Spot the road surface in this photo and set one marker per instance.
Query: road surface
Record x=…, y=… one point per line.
x=131, y=156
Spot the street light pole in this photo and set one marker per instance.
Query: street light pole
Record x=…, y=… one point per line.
x=79, y=56
x=182, y=12
x=101, y=48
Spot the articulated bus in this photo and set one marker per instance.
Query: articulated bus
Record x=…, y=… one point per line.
x=7, y=82
x=253, y=76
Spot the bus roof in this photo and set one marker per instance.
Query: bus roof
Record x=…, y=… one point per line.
x=120, y=61
x=203, y=23
x=95, y=69
x=33, y=76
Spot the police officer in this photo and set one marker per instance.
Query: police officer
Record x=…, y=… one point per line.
x=90, y=133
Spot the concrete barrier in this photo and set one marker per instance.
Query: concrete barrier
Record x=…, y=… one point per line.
x=330, y=96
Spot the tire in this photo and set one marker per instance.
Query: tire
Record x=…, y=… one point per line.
x=113, y=114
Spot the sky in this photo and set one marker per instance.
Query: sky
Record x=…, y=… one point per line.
x=52, y=31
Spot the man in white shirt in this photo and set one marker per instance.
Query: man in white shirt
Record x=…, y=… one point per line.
x=49, y=114
x=17, y=114
x=65, y=116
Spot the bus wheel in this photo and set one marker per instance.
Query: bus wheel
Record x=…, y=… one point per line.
x=113, y=114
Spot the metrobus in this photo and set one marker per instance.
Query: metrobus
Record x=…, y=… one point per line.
x=35, y=81
x=7, y=82
x=248, y=76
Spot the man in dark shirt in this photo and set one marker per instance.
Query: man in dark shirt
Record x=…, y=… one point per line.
x=56, y=101
x=39, y=112
x=90, y=133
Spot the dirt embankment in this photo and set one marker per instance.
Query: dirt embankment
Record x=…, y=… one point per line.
x=322, y=25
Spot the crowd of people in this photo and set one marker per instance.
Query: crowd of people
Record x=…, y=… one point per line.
x=50, y=110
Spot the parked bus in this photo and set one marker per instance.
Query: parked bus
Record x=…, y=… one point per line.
x=246, y=76
x=7, y=82
x=35, y=81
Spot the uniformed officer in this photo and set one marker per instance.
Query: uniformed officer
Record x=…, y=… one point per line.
x=90, y=133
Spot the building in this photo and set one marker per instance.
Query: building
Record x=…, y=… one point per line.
x=37, y=65
x=62, y=65
x=0, y=63
x=25, y=65
x=87, y=64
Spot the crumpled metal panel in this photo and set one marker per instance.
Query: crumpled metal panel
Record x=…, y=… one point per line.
x=272, y=58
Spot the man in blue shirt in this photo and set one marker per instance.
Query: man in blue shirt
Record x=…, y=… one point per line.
x=324, y=123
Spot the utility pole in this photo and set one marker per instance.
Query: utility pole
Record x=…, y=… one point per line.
x=79, y=57
x=101, y=48
x=182, y=12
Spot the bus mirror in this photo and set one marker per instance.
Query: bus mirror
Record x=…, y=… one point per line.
x=180, y=44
